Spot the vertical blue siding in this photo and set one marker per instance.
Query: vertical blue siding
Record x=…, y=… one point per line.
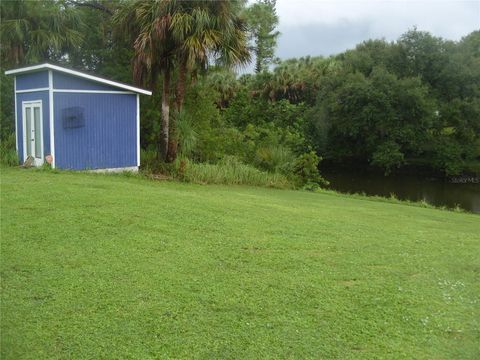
x=108, y=138
x=70, y=82
x=32, y=96
x=35, y=80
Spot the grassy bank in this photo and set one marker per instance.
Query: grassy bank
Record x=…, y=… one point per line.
x=109, y=266
x=232, y=172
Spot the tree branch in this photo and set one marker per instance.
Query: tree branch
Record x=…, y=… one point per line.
x=93, y=5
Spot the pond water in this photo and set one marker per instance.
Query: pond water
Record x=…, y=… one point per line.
x=457, y=191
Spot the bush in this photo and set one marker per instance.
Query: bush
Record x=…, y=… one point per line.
x=449, y=155
x=8, y=153
x=306, y=170
x=148, y=160
x=388, y=156
x=150, y=163
x=231, y=171
x=187, y=136
x=274, y=158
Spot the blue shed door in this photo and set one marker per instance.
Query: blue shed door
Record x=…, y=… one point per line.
x=32, y=123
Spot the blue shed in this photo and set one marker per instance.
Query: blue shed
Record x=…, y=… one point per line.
x=75, y=120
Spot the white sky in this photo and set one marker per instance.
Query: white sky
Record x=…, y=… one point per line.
x=324, y=27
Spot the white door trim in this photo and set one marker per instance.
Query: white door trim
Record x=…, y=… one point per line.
x=25, y=104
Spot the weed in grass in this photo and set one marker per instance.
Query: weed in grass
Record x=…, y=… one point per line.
x=8, y=154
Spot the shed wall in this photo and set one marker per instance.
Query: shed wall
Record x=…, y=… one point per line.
x=107, y=138
x=35, y=80
x=70, y=82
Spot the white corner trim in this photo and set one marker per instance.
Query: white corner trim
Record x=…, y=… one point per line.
x=138, y=130
x=92, y=91
x=31, y=90
x=51, y=118
x=115, y=170
x=16, y=116
x=79, y=74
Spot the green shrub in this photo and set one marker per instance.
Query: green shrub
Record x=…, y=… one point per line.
x=449, y=155
x=388, y=156
x=148, y=159
x=231, y=171
x=187, y=136
x=306, y=171
x=274, y=158
x=8, y=153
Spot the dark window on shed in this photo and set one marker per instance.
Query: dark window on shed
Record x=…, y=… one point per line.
x=73, y=117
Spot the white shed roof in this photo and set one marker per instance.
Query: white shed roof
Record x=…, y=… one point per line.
x=47, y=66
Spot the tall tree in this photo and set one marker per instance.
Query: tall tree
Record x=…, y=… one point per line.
x=30, y=32
x=205, y=31
x=148, y=24
x=34, y=31
x=100, y=52
x=262, y=20
x=171, y=35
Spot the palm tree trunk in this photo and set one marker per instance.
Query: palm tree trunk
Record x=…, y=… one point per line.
x=165, y=115
x=179, y=100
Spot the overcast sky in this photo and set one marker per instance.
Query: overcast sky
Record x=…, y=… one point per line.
x=325, y=27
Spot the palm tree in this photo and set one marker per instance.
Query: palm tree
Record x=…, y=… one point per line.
x=297, y=79
x=205, y=31
x=208, y=31
x=225, y=84
x=148, y=24
x=33, y=31
x=169, y=34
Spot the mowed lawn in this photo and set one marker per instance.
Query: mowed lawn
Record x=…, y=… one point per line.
x=98, y=266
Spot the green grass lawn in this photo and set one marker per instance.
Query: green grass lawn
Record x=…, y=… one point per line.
x=97, y=266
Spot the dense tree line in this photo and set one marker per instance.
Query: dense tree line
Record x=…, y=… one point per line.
x=385, y=105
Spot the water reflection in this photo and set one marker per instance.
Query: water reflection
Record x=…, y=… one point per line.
x=461, y=192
